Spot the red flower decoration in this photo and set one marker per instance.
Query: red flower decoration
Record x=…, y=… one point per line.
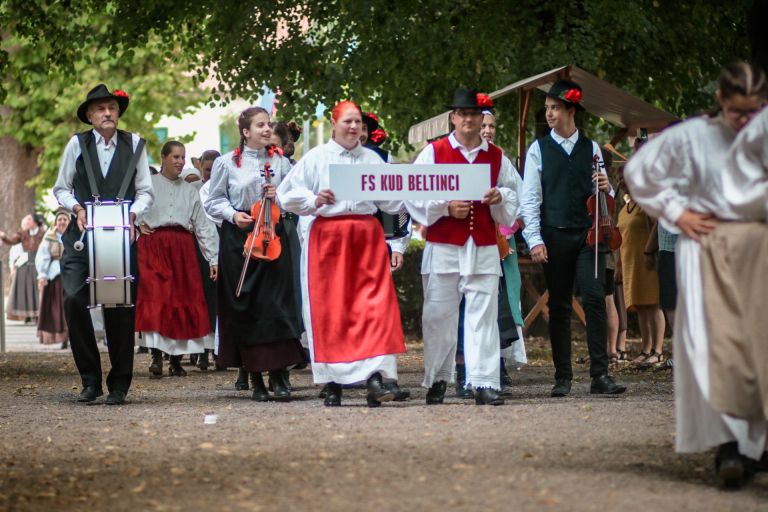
x=572, y=95
x=484, y=101
x=120, y=93
x=377, y=136
x=372, y=116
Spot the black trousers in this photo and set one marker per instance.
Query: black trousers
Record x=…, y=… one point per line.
x=571, y=261
x=118, y=322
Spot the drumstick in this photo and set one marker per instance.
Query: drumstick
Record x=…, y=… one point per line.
x=78, y=246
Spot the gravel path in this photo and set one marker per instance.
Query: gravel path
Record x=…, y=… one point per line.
x=155, y=453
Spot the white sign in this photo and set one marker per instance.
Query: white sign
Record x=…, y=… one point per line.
x=380, y=182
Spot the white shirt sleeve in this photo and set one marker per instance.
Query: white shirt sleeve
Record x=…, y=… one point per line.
x=218, y=205
x=530, y=203
x=506, y=212
x=296, y=192
x=143, y=183
x=745, y=182
x=205, y=230
x=63, y=189
x=43, y=260
x=427, y=213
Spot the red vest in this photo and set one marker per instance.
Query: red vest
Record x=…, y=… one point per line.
x=478, y=224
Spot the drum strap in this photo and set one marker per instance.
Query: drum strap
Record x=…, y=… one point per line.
x=131, y=170
x=88, y=166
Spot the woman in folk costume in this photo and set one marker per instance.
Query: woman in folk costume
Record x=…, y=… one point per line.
x=170, y=307
x=259, y=329
x=348, y=297
x=678, y=177
x=23, y=299
x=51, y=325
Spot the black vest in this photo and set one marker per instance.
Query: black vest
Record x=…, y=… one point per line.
x=566, y=183
x=109, y=186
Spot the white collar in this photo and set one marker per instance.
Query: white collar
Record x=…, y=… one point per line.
x=456, y=144
x=100, y=139
x=560, y=139
x=335, y=147
x=34, y=231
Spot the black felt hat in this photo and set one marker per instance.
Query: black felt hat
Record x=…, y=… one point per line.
x=567, y=91
x=100, y=92
x=371, y=121
x=470, y=98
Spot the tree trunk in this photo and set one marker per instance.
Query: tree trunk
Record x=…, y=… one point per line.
x=19, y=164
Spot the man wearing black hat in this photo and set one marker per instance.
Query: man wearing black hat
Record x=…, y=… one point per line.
x=461, y=258
x=111, y=152
x=558, y=180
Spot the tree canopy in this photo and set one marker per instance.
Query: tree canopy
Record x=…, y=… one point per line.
x=401, y=58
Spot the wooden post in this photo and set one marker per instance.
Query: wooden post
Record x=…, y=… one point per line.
x=522, y=123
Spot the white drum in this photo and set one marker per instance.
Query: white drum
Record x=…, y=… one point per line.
x=109, y=253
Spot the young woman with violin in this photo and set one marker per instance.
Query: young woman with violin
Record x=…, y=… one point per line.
x=348, y=297
x=679, y=177
x=171, y=312
x=259, y=321
x=559, y=179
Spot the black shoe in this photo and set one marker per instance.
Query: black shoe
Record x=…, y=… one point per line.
x=562, y=388
x=142, y=350
x=436, y=393
x=174, y=367
x=729, y=465
x=203, y=362
x=377, y=393
x=506, y=379
x=488, y=396
x=89, y=394
x=604, y=385
x=462, y=391
x=281, y=393
x=401, y=395
x=241, y=384
x=193, y=359
x=287, y=380
x=64, y=345
x=260, y=393
x=323, y=392
x=333, y=395
x=115, y=397
x=156, y=367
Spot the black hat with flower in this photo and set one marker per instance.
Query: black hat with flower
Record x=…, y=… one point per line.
x=371, y=121
x=567, y=91
x=100, y=92
x=470, y=98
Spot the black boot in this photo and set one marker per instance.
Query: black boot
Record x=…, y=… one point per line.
x=401, y=395
x=506, y=380
x=241, y=384
x=287, y=379
x=203, y=362
x=377, y=393
x=729, y=465
x=488, y=396
x=156, y=367
x=260, y=393
x=323, y=392
x=462, y=391
x=277, y=385
x=333, y=395
x=436, y=393
x=174, y=367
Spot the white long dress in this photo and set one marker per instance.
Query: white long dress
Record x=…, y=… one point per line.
x=297, y=194
x=682, y=168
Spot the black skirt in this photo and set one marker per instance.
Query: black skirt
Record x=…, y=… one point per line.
x=266, y=313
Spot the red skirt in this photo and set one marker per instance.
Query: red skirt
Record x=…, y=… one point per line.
x=353, y=305
x=170, y=297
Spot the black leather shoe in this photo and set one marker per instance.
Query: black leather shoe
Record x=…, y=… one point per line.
x=377, y=393
x=260, y=393
x=115, y=397
x=323, y=392
x=89, y=394
x=562, y=388
x=506, y=379
x=729, y=465
x=436, y=393
x=281, y=393
x=174, y=367
x=401, y=395
x=333, y=394
x=203, y=362
x=488, y=396
x=156, y=367
x=604, y=385
x=462, y=391
x=241, y=384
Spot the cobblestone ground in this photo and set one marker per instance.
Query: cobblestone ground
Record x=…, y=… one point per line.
x=532, y=454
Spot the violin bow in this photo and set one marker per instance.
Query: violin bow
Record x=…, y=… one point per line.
x=596, y=167
x=248, y=253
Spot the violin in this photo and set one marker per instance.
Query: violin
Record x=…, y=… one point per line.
x=262, y=242
x=601, y=209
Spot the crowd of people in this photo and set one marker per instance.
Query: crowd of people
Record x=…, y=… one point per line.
x=251, y=258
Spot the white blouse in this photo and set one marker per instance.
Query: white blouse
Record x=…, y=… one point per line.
x=298, y=191
x=47, y=268
x=177, y=203
x=745, y=182
x=682, y=168
x=234, y=188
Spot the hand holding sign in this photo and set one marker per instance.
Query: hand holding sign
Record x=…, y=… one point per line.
x=493, y=196
x=325, y=196
x=458, y=209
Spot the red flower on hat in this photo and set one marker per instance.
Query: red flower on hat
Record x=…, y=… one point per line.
x=121, y=93
x=572, y=95
x=378, y=136
x=484, y=101
x=372, y=116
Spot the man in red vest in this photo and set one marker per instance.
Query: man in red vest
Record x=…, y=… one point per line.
x=461, y=257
